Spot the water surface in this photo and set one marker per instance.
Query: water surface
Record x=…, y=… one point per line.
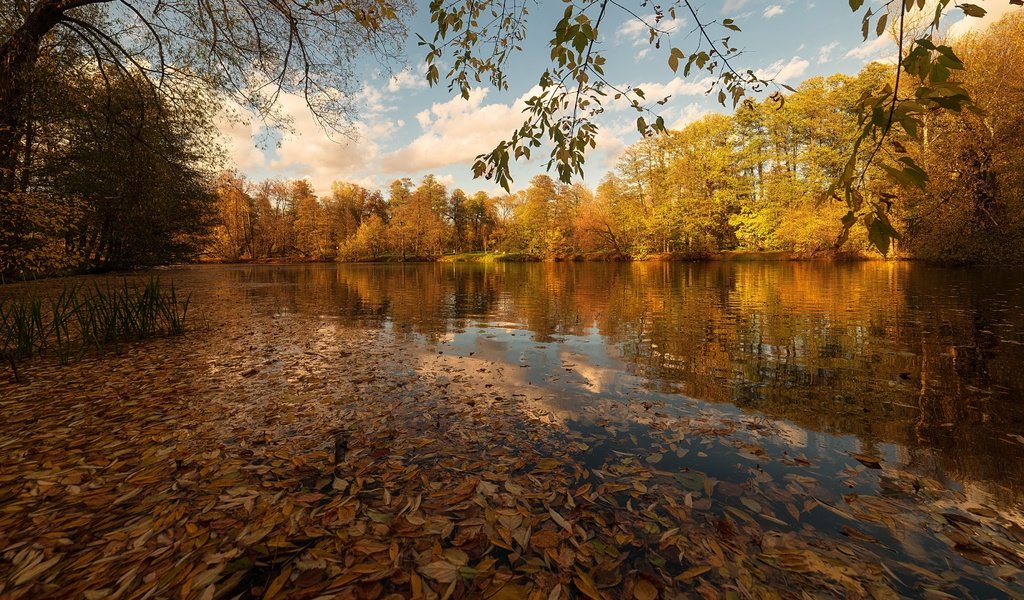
x=871, y=409
x=923, y=365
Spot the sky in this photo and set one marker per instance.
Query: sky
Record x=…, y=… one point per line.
x=404, y=128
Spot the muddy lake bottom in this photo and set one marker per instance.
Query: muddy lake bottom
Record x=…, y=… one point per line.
x=532, y=431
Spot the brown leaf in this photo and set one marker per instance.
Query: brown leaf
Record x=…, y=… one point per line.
x=544, y=539
x=586, y=586
x=560, y=520
x=872, y=462
x=441, y=571
x=644, y=590
x=693, y=572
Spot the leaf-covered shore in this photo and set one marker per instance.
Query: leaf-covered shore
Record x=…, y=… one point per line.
x=285, y=457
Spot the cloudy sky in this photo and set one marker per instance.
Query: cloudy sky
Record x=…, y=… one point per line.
x=407, y=129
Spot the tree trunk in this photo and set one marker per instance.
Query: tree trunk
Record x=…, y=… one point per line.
x=18, y=55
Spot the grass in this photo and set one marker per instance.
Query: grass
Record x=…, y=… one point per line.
x=82, y=318
x=488, y=257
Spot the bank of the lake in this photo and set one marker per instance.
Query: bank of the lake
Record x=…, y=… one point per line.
x=532, y=430
x=600, y=257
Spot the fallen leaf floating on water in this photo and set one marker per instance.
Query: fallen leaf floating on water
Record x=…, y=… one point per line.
x=872, y=462
x=171, y=476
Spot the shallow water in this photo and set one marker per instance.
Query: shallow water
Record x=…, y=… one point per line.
x=881, y=404
x=922, y=365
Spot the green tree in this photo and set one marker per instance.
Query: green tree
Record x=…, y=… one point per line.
x=158, y=214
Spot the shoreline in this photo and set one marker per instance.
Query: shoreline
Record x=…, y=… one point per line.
x=516, y=257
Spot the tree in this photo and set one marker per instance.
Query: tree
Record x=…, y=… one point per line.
x=312, y=234
x=275, y=231
x=972, y=209
x=478, y=39
x=402, y=226
x=253, y=50
x=481, y=218
x=91, y=138
x=235, y=233
x=458, y=218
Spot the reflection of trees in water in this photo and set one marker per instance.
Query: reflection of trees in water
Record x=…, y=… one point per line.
x=888, y=352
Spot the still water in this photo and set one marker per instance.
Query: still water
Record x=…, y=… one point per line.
x=906, y=359
x=918, y=368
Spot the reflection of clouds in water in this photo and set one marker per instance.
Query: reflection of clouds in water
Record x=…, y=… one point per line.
x=980, y=495
x=874, y=351
x=597, y=378
x=794, y=436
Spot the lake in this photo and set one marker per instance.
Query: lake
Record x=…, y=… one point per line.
x=924, y=365
x=875, y=406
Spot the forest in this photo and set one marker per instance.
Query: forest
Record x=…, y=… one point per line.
x=756, y=180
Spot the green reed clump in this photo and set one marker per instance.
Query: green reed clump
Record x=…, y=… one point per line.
x=80, y=318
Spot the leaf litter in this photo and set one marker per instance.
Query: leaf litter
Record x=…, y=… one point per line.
x=289, y=457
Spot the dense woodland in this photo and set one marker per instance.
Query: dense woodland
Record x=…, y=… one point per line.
x=757, y=179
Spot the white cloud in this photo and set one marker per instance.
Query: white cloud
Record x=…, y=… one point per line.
x=784, y=72
x=656, y=90
x=637, y=30
x=612, y=140
x=304, y=149
x=455, y=132
x=371, y=100
x=773, y=11
x=632, y=29
x=238, y=138
x=996, y=11
x=872, y=48
x=825, y=52
x=406, y=80
x=730, y=6
x=307, y=151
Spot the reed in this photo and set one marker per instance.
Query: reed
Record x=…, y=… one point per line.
x=80, y=318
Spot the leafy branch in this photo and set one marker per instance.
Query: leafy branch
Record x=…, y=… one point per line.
x=575, y=88
x=931, y=66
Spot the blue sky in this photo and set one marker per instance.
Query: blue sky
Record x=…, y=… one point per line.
x=406, y=129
